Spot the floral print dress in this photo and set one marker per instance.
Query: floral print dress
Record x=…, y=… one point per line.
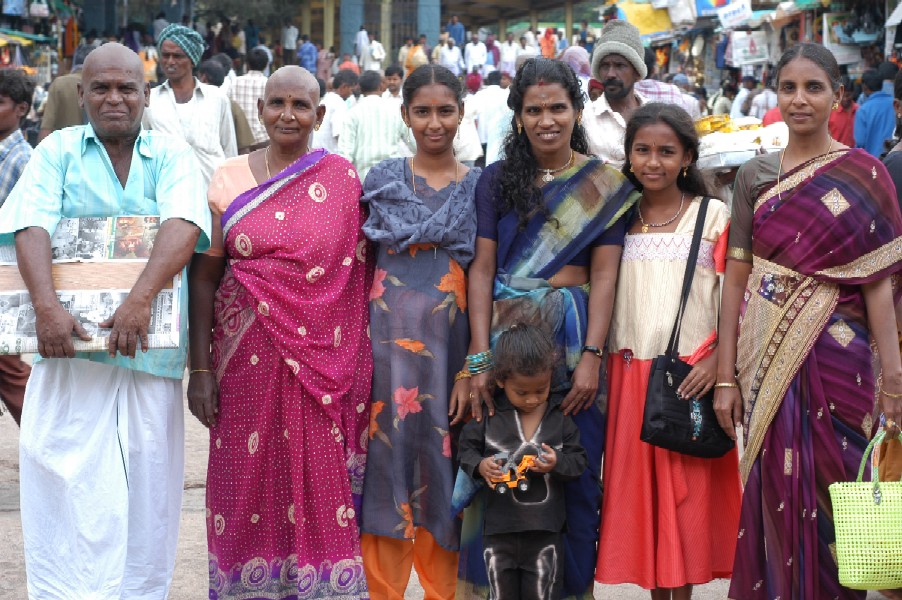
x=420, y=333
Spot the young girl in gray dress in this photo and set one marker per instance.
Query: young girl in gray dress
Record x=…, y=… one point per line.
x=423, y=224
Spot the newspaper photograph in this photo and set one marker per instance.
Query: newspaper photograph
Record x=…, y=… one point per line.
x=18, y=334
x=90, y=239
x=95, y=240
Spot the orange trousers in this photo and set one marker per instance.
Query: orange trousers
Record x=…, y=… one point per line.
x=387, y=562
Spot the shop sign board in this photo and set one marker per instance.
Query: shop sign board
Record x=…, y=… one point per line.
x=749, y=48
x=735, y=14
x=708, y=8
x=836, y=40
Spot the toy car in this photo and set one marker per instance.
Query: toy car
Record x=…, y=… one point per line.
x=513, y=476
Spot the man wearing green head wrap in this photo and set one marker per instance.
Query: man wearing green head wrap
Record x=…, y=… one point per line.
x=184, y=107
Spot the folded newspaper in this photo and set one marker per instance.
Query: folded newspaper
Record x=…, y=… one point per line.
x=96, y=261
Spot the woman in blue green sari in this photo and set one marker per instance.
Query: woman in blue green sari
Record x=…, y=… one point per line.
x=550, y=229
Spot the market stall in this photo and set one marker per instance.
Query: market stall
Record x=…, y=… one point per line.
x=35, y=54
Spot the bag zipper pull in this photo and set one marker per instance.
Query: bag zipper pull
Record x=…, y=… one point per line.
x=669, y=379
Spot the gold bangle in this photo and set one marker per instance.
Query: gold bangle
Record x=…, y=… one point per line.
x=880, y=389
x=726, y=384
x=739, y=254
x=193, y=371
x=462, y=374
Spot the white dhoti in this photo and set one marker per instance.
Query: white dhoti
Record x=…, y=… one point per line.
x=102, y=463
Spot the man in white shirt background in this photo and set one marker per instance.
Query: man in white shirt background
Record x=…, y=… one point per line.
x=450, y=57
x=262, y=46
x=763, y=101
x=618, y=62
x=374, y=55
x=527, y=49
x=492, y=102
x=372, y=129
x=336, y=103
x=748, y=84
x=184, y=107
x=509, y=51
x=394, y=76
x=475, y=54
x=289, y=43
x=361, y=43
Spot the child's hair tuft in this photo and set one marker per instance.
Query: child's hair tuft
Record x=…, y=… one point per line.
x=524, y=349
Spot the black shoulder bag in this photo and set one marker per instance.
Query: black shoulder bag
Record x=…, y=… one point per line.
x=684, y=425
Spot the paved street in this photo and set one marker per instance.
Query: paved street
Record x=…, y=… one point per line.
x=191, y=568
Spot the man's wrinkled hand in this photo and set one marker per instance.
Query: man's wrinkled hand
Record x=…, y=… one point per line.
x=54, y=328
x=129, y=326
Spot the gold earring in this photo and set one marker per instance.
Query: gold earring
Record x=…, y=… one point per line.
x=316, y=126
x=835, y=105
x=579, y=118
x=685, y=172
x=631, y=169
x=519, y=128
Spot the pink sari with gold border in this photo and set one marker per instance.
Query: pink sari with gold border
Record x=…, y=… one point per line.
x=293, y=361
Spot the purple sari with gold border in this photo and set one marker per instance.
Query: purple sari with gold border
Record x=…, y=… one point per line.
x=806, y=366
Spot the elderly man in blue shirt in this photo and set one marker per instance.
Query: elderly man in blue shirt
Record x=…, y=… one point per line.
x=102, y=438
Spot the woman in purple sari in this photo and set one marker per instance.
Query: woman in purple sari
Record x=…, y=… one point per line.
x=281, y=362
x=815, y=239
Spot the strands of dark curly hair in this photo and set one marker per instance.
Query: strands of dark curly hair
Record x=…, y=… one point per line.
x=517, y=175
x=525, y=350
x=693, y=183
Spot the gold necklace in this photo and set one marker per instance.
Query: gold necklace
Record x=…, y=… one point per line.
x=783, y=155
x=549, y=173
x=645, y=225
x=266, y=161
x=413, y=176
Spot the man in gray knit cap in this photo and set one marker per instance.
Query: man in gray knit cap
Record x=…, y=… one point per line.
x=618, y=63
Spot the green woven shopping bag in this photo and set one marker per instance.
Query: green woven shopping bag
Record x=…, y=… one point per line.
x=868, y=521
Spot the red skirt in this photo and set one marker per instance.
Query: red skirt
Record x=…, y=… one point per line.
x=668, y=519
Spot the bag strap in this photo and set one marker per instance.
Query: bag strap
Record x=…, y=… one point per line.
x=876, y=441
x=673, y=345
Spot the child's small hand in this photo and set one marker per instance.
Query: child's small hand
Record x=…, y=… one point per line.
x=546, y=461
x=489, y=469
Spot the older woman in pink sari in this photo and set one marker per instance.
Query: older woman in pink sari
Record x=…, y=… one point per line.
x=280, y=361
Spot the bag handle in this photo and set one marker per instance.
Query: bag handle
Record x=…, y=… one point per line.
x=877, y=440
x=673, y=345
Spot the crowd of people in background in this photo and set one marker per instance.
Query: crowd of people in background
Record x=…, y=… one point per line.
x=232, y=42
x=410, y=273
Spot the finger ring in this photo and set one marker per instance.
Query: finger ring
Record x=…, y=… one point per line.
x=890, y=424
x=471, y=395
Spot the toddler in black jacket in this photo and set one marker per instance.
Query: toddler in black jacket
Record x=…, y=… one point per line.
x=525, y=453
